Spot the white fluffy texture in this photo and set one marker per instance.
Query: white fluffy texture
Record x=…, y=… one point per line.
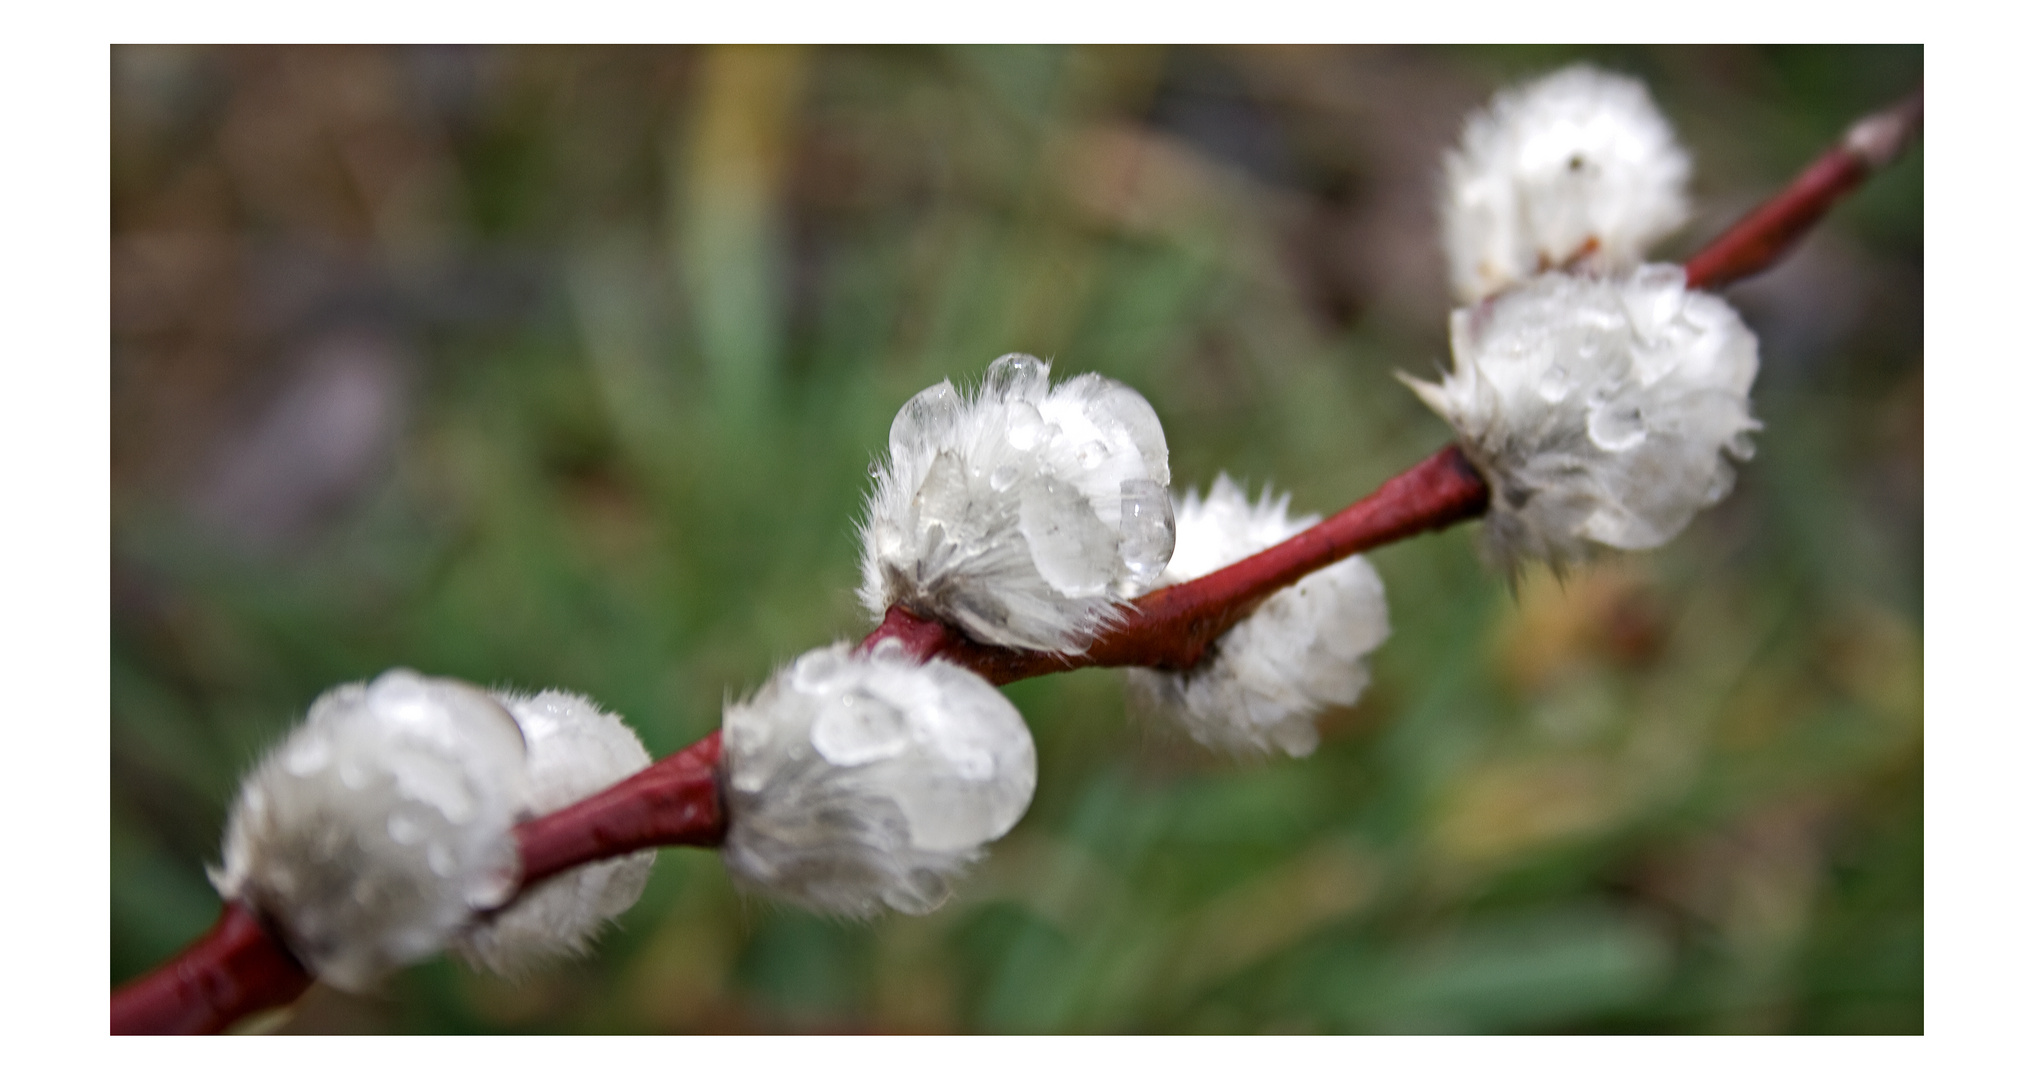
x=1600, y=410
x=575, y=750
x=1574, y=157
x=1302, y=650
x=862, y=782
x=380, y=825
x=1024, y=515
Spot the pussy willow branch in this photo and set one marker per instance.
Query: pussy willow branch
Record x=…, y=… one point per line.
x=1759, y=238
x=240, y=967
x=675, y=802
x=1172, y=627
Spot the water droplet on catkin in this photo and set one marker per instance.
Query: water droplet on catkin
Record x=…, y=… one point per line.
x=1148, y=529
x=1616, y=426
x=1015, y=377
x=1554, y=383
x=928, y=420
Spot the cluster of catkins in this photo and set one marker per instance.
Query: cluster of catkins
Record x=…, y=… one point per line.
x=379, y=832
x=1598, y=396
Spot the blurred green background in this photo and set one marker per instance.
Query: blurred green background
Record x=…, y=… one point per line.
x=564, y=367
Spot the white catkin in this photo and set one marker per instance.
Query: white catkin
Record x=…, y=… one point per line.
x=1577, y=169
x=1025, y=514
x=575, y=750
x=1601, y=411
x=858, y=782
x=1264, y=681
x=376, y=829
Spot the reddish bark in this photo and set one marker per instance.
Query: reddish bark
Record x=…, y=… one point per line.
x=240, y=968
x=1172, y=627
x=1762, y=236
x=674, y=802
x=237, y=969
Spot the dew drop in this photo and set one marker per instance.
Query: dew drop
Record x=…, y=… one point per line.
x=978, y=789
x=1071, y=548
x=942, y=500
x=441, y=784
x=1616, y=426
x=929, y=889
x=1554, y=383
x=927, y=421
x=1126, y=409
x=816, y=671
x=859, y=729
x=1003, y=477
x=1653, y=300
x=403, y=696
x=1148, y=529
x=1026, y=428
x=1015, y=377
x=972, y=763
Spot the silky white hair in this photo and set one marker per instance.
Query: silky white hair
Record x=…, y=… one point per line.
x=1262, y=683
x=1602, y=411
x=1574, y=170
x=1023, y=514
x=863, y=781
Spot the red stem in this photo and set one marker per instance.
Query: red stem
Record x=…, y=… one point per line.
x=674, y=802
x=237, y=969
x=1172, y=627
x=1762, y=236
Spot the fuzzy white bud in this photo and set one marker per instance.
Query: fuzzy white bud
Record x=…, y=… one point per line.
x=857, y=782
x=376, y=830
x=1262, y=683
x=1600, y=410
x=1576, y=169
x=1024, y=514
x=575, y=750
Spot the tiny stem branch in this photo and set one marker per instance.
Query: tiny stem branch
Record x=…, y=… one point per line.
x=1762, y=236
